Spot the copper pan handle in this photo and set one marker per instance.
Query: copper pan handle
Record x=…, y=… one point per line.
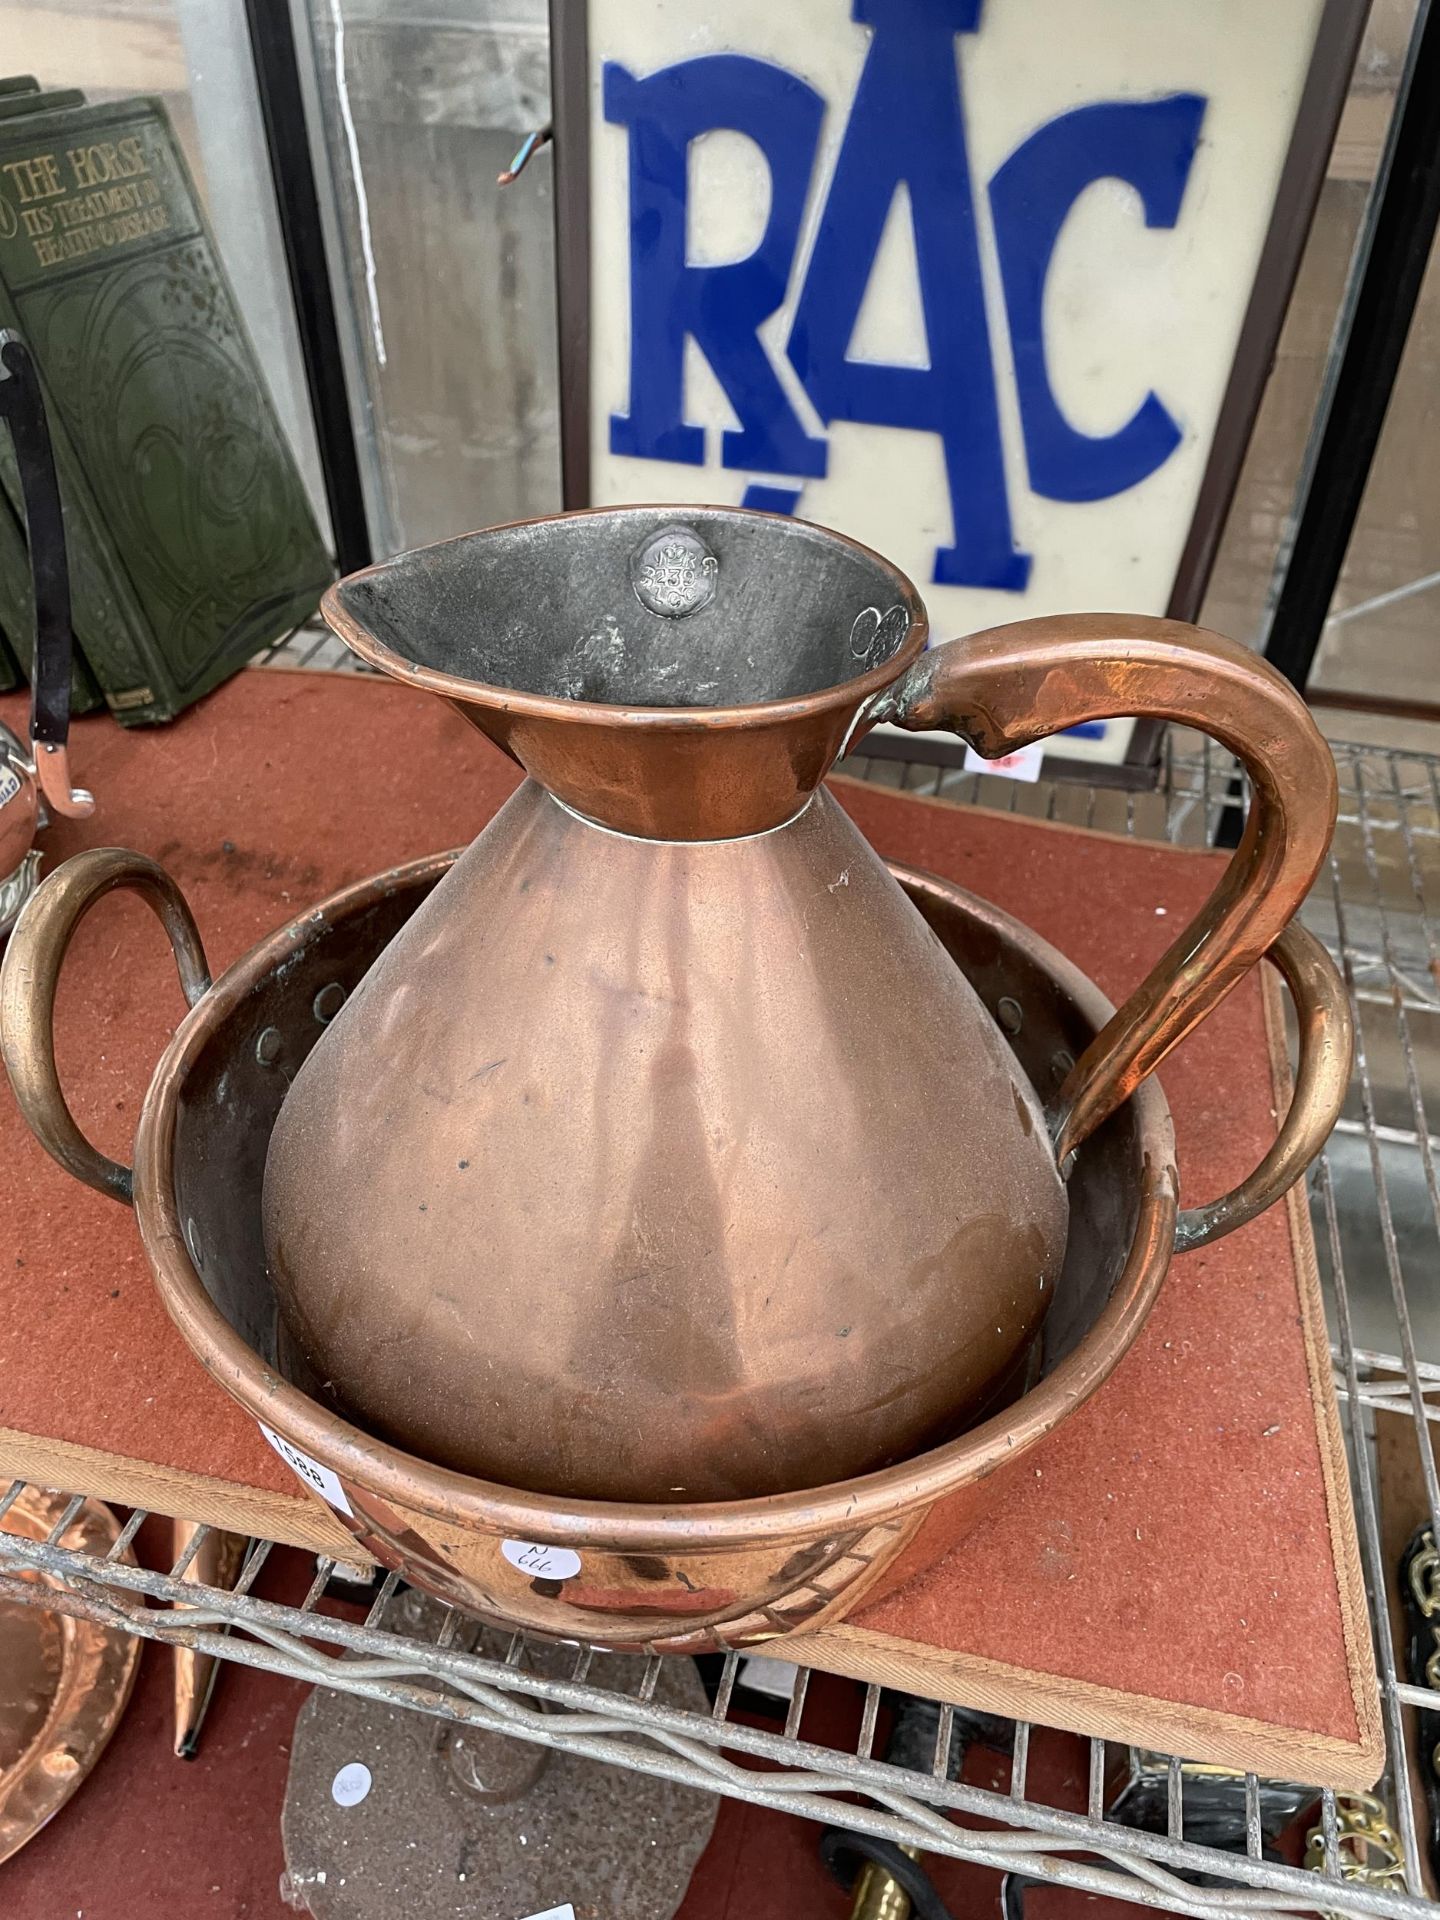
x=1012, y=685
x=1327, y=1051
x=31, y=972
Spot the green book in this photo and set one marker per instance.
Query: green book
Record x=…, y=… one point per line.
x=191, y=540
x=9, y=667
x=22, y=99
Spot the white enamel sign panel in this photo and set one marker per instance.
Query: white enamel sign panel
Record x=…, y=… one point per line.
x=962, y=278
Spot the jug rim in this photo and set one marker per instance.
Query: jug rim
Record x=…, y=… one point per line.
x=853, y=692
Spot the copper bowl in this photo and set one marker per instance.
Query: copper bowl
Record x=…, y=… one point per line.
x=683, y=1577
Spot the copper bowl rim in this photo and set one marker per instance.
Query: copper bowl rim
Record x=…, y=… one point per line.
x=541, y=706
x=461, y=1499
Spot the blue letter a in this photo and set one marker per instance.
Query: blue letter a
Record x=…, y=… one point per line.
x=906, y=125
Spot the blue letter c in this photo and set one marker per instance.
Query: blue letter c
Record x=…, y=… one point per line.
x=1150, y=145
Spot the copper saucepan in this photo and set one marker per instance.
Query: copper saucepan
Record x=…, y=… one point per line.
x=685, y=1576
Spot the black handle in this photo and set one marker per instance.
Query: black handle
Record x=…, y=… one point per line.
x=24, y=410
x=23, y=407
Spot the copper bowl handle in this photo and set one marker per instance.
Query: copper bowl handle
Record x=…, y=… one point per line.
x=1327, y=1051
x=1013, y=685
x=31, y=972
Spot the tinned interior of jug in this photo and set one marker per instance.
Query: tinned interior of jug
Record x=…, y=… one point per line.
x=642, y=607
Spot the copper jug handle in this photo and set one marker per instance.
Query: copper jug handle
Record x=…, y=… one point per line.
x=30, y=974
x=1326, y=1054
x=1010, y=686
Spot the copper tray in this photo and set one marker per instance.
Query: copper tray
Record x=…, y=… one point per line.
x=686, y=1576
x=66, y=1681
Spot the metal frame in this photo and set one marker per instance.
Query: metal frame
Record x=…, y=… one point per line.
x=1374, y=907
x=297, y=203
x=1337, y=43
x=1386, y=276
x=631, y=1730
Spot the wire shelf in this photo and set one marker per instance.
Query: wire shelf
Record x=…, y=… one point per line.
x=1376, y=1208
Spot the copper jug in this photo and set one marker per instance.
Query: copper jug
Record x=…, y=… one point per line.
x=664, y=1155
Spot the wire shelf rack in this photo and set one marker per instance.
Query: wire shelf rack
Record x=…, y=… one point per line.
x=1376, y=1209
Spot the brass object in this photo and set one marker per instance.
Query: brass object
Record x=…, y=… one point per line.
x=877, y=1896
x=1368, y=1847
x=1419, y=1582
x=681, y=1575
x=664, y=1155
x=888, y=1881
x=1424, y=1577
x=216, y=1562
x=64, y=1682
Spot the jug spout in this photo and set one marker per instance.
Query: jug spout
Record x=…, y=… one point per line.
x=670, y=673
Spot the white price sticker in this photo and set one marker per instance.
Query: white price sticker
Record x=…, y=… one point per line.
x=9, y=783
x=567, y=1912
x=1022, y=765
x=319, y=1479
x=541, y=1562
x=351, y=1784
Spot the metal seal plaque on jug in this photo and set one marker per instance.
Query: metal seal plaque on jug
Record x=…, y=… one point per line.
x=991, y=285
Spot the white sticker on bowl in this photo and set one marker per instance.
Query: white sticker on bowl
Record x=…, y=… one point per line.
x=567, y=1912
x=540, y=1562
x=319, y=1479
